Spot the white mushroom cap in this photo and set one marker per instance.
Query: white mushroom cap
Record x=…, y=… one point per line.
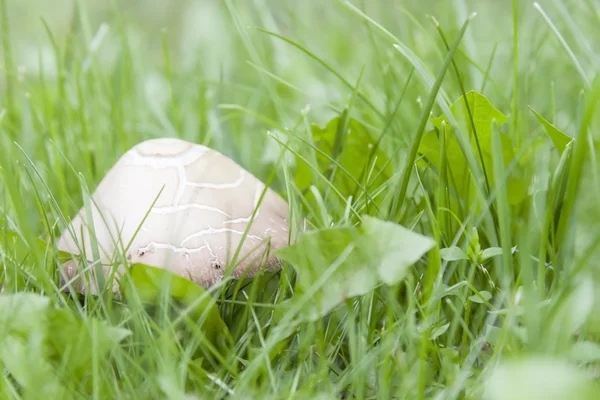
x=197, y=222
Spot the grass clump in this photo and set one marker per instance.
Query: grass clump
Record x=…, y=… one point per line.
x=442, y=154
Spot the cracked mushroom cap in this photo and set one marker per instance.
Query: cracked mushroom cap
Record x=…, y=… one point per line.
x=196, y=224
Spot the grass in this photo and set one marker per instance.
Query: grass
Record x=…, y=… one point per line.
x=380, y=122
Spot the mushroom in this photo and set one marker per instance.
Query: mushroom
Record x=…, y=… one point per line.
x=182, y=207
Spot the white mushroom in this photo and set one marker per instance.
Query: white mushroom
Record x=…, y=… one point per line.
x=195, y=225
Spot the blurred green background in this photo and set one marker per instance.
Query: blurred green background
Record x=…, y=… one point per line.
x=218, y=42
x=226, y=79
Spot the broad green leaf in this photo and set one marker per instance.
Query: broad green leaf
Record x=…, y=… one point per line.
x=343, y=262
x=539, y=378
x=395, y=248
x=350, y=146
x=559, y=139
x=37, y=340
x=24, y=348
x=453, y=253
x=477, y=298
x=79, y=341
x=483, y=114
x=22, y=312
x=482, y=111
x=25, y=358
x=148, y=283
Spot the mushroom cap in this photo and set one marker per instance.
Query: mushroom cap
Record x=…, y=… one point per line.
x=196, y=223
